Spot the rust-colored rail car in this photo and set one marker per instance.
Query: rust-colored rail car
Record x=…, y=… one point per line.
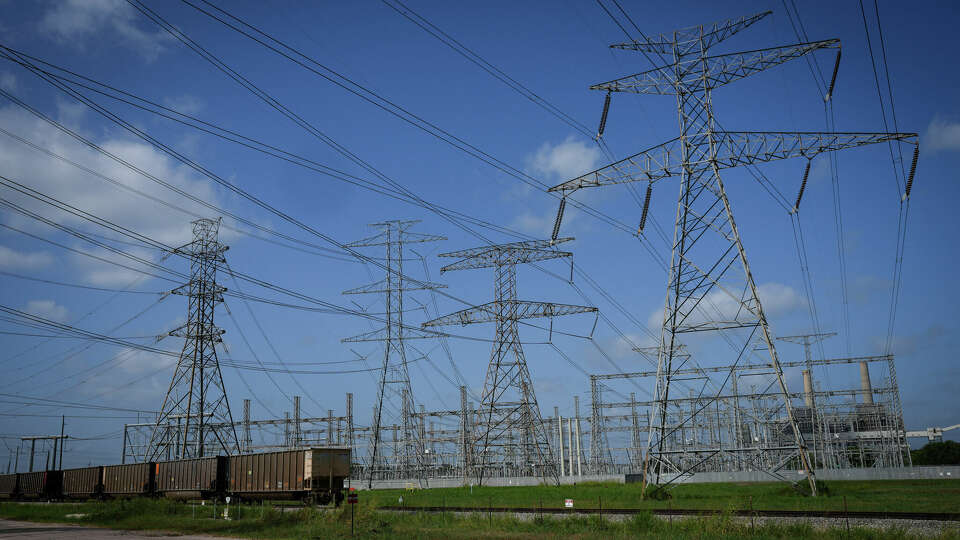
x=313, y=475
x=40, y=485
x=8, y=486
x=83, y=483
x=192, y=478
x=128, y=480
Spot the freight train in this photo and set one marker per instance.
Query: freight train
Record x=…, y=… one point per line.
x=312, y=475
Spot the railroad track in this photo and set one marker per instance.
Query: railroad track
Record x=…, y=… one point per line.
x=837, y=514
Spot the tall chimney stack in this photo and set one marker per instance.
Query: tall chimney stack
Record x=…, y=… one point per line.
x=807, y=388
x=867, y=389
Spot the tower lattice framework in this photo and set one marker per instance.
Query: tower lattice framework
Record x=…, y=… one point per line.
x=710, y=287
x=395, y=397
x=195, y=418
x=509, y=434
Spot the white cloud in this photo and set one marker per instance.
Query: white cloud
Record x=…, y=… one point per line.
x=185, y=104
x=15, y=260
x=96, y=196
x=565, y=160
x=72, y=20
x=531, y=223
x=779, y=299
x=942, y=135
x=8, y=81
x=48, y=309
x=776, y=298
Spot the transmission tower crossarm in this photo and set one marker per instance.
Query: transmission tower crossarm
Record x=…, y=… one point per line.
x=383, y=286
x=517, y=309
x=732, y=149
x=712, y=71
x=498, y=257
x=664, y=43
x=524, y=244
x=381, y=334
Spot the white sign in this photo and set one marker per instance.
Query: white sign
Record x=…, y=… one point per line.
x=568, y=503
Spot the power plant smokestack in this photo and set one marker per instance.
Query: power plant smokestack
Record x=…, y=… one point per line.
x=867, y=389
x=807, y=388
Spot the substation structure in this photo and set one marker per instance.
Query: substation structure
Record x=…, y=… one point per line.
x=845, y=426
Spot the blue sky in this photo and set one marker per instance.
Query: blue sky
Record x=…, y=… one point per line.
x=557, y=49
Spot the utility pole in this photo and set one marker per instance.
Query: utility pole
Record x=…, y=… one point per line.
x=247, y=437
x=63, y=422
x=197, y=394
x=509, y=430
x=394, y=377
x=33, y=445
x=708, y=259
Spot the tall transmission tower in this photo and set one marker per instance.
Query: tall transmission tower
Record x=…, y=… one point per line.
x=195, y=418
x=708, y=261
x=394, y=387
x=509, y=432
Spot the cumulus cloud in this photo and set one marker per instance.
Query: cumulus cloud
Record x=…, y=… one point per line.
x=184, y=104
x=530, y=223
x=48, y=309
x=942, y=135
x=73, y=20
x=776, y=298
x=95, y=195
x=553, y=163
x=565, y=160
x=8, y=81
x=11, y=259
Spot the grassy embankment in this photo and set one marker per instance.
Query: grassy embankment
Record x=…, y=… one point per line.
x=265, y=522
x=874, y=496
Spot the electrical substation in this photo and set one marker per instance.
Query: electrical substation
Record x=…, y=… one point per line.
x=732, y=412
x=754, y=405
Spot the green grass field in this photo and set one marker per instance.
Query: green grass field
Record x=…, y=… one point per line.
x=874, y=496
x=256, y=521
x=265, y=522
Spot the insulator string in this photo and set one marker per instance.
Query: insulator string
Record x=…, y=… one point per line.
x=556, y=222
x=833, y=78
x=603, y=116
x=646, y=208
x=913, y=170
x=803, y=186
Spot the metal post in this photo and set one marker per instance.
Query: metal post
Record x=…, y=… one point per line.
x=465, y=446
x=247, y=437
x=560, y=435
x=63, y=442
x=330, y=427
x=296, y=422
x=32, y=447
x=350, y=421
x=579, y=454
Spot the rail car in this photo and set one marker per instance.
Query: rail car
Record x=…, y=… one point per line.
x=312, y=475
x=82, y=483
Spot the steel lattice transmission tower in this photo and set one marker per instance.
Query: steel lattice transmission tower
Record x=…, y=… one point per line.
x=509, y=434
x=708, y=261
x=195, y=418
x=395, y=398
